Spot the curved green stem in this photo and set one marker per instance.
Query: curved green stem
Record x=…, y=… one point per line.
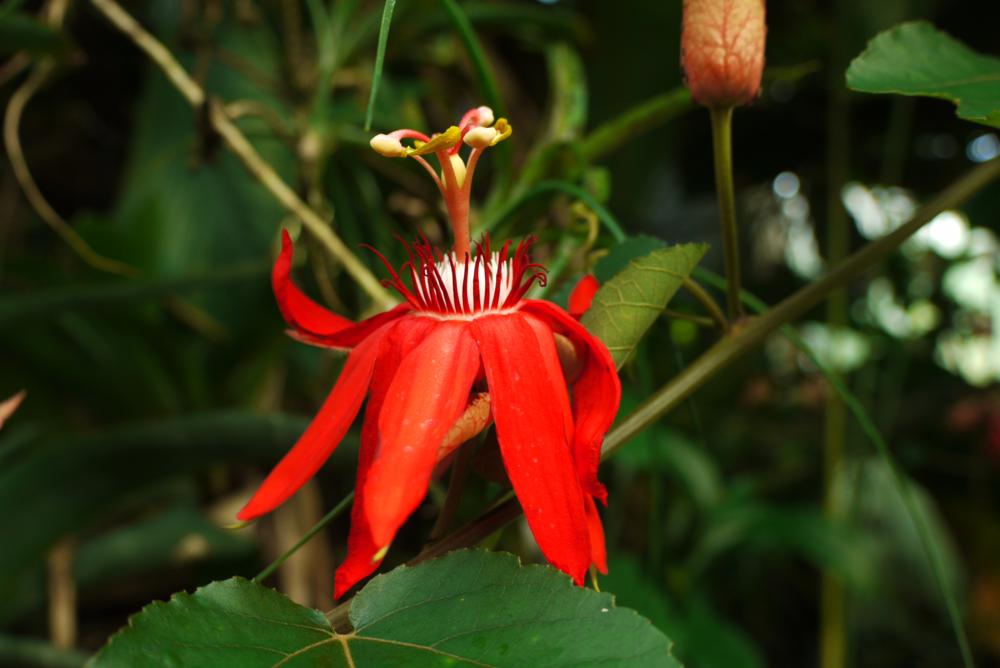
x=707, y=302
x=722, y=151
x=309, y=535
x=545, y=187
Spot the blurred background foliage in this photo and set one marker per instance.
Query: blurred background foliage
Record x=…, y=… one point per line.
x=156, y=401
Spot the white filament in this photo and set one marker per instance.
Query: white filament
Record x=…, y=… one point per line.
x=465, y=275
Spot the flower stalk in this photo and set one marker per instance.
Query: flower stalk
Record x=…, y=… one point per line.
x=722, y=153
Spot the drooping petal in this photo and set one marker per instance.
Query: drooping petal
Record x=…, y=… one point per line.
x=429, y=392
x=583, y=295
x=310, y=322
x=351, y=336
x=362, y=550
x=559, y=399
x=596, y=392
x=299, y=310
x=598, y=551
x=533, y=440
x=323, y=435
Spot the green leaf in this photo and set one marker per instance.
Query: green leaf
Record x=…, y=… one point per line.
x=622, y=253
x=471, y=608
x=918, y=59
x=627, y=305
x=20, y=32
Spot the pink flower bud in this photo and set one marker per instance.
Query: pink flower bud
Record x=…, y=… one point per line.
x=722, y=50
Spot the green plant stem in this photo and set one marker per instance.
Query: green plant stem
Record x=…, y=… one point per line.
x=722, y=153
x=833, y=613
x=383, y=40
x=456, y=485
x=706, y=300
x=545, y=187
x=334, y=513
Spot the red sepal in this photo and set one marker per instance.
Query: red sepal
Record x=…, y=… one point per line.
x=583, y=295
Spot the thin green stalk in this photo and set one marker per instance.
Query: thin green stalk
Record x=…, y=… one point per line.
x=456, y=485
x=608, y=220
x=833, y=613
x=707, y=302
x=722, y=153
x=309, y=535
x=383, y=40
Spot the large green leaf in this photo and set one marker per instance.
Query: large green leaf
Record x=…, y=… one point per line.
x=918, y=59
x=627, y=305
x=468, y=608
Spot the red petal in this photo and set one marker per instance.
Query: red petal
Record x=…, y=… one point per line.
x=559, y=399
x=300, y=311
x=598, y=552
x=310, y=322
x=582, y=295
x=351, y=336
x=429, y=392
x=533, y=439
x=361, y=548
x=323, y=435
x=596, y=392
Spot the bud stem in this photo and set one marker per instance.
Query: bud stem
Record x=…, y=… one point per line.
x=722, y=123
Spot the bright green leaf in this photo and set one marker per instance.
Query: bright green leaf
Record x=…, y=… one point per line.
x=918, y=59
x=470, y=608
x=628, y=304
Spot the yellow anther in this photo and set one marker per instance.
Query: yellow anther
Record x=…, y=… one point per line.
x=480, y=137
x=380, y=555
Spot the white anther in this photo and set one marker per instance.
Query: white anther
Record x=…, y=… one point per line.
x=387, y=145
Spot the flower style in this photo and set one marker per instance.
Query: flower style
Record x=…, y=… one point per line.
x=722, y=50
x=465, y=346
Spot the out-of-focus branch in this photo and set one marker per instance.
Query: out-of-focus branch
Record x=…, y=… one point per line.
x=62, y=595
x=238, y=144
x=15, y=154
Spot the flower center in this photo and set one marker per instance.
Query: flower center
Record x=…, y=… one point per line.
x=446, y=285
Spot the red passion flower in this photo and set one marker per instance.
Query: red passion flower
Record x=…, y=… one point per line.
x=464, y=347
